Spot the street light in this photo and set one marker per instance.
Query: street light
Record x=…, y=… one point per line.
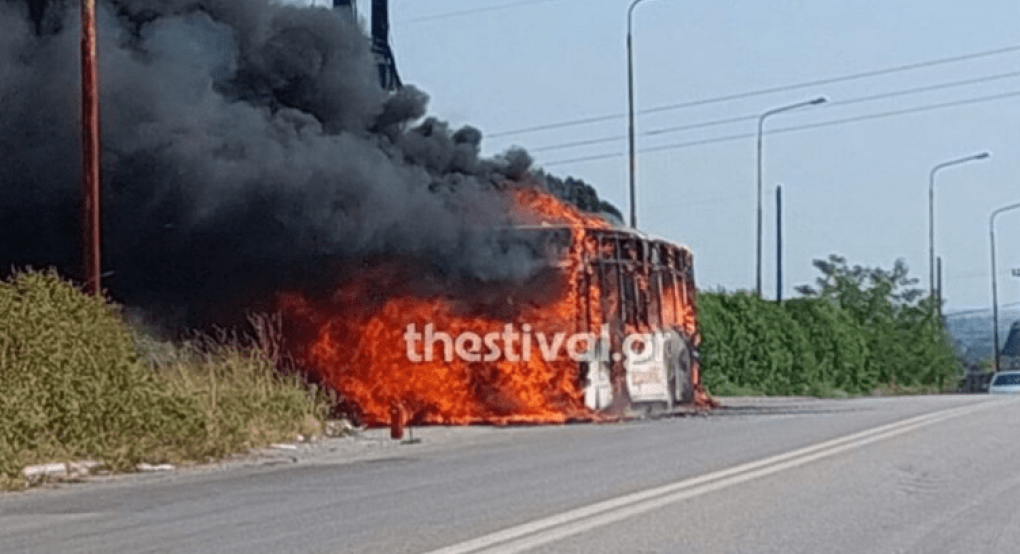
x=761, y=126
x=995, y=292
x=630, y=109
x=931, y=212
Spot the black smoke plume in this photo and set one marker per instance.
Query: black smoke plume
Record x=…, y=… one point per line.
x=247, y=148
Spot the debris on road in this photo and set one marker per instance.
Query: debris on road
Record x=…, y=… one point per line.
x=59, y=470
x=37, y=472
x=155, y=467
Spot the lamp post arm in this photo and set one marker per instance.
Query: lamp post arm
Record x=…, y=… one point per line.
x=774, y=111
x=630, y=13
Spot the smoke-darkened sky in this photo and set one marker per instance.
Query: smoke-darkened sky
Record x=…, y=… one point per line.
x=247, y=146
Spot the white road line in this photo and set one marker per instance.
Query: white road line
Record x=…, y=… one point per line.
x=579, y=520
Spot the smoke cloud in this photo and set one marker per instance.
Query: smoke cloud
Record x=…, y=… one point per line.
x=247, y=148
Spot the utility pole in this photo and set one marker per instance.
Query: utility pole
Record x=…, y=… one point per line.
x=938, y=296
x=779, y=244
x=91, y=235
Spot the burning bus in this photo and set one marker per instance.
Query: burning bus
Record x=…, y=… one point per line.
x=603, y=325
x=267, y=169
x=602, y=320
x=635, y=305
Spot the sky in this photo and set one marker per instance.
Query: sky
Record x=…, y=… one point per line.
x=857, y=187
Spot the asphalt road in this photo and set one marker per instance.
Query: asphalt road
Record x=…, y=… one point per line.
x=919, y=474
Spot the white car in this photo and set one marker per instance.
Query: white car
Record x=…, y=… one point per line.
x=1005, y=382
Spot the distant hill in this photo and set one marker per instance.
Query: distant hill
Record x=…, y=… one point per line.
x=973, y=332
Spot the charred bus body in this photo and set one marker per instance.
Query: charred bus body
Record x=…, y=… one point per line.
x=637, y=295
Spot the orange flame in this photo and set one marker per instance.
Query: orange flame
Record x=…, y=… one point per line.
x=383, y=347
x=365, y=349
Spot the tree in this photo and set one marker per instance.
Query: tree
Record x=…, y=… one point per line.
x=838, y=279
x=906, y=345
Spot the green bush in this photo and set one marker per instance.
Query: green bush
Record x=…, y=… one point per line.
x=860, y=331
x=759, y=337
x=74, y=386
x=71, y=383
x=839, y=344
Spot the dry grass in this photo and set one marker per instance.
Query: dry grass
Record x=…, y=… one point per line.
x=77, y=383
x=244, y=397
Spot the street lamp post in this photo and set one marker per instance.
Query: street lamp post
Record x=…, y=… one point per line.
x=931, y=212
x=630, y=111
x=995, y=292
x=761, y=126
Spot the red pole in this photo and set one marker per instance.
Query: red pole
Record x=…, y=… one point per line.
x=90, y=147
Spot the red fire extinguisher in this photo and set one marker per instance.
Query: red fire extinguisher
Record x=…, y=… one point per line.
x=396, y=422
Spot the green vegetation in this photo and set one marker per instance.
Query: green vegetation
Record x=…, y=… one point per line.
x=76, y=383
x=859, y=331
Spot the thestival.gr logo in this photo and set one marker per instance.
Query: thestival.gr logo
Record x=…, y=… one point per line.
x=515, y=345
